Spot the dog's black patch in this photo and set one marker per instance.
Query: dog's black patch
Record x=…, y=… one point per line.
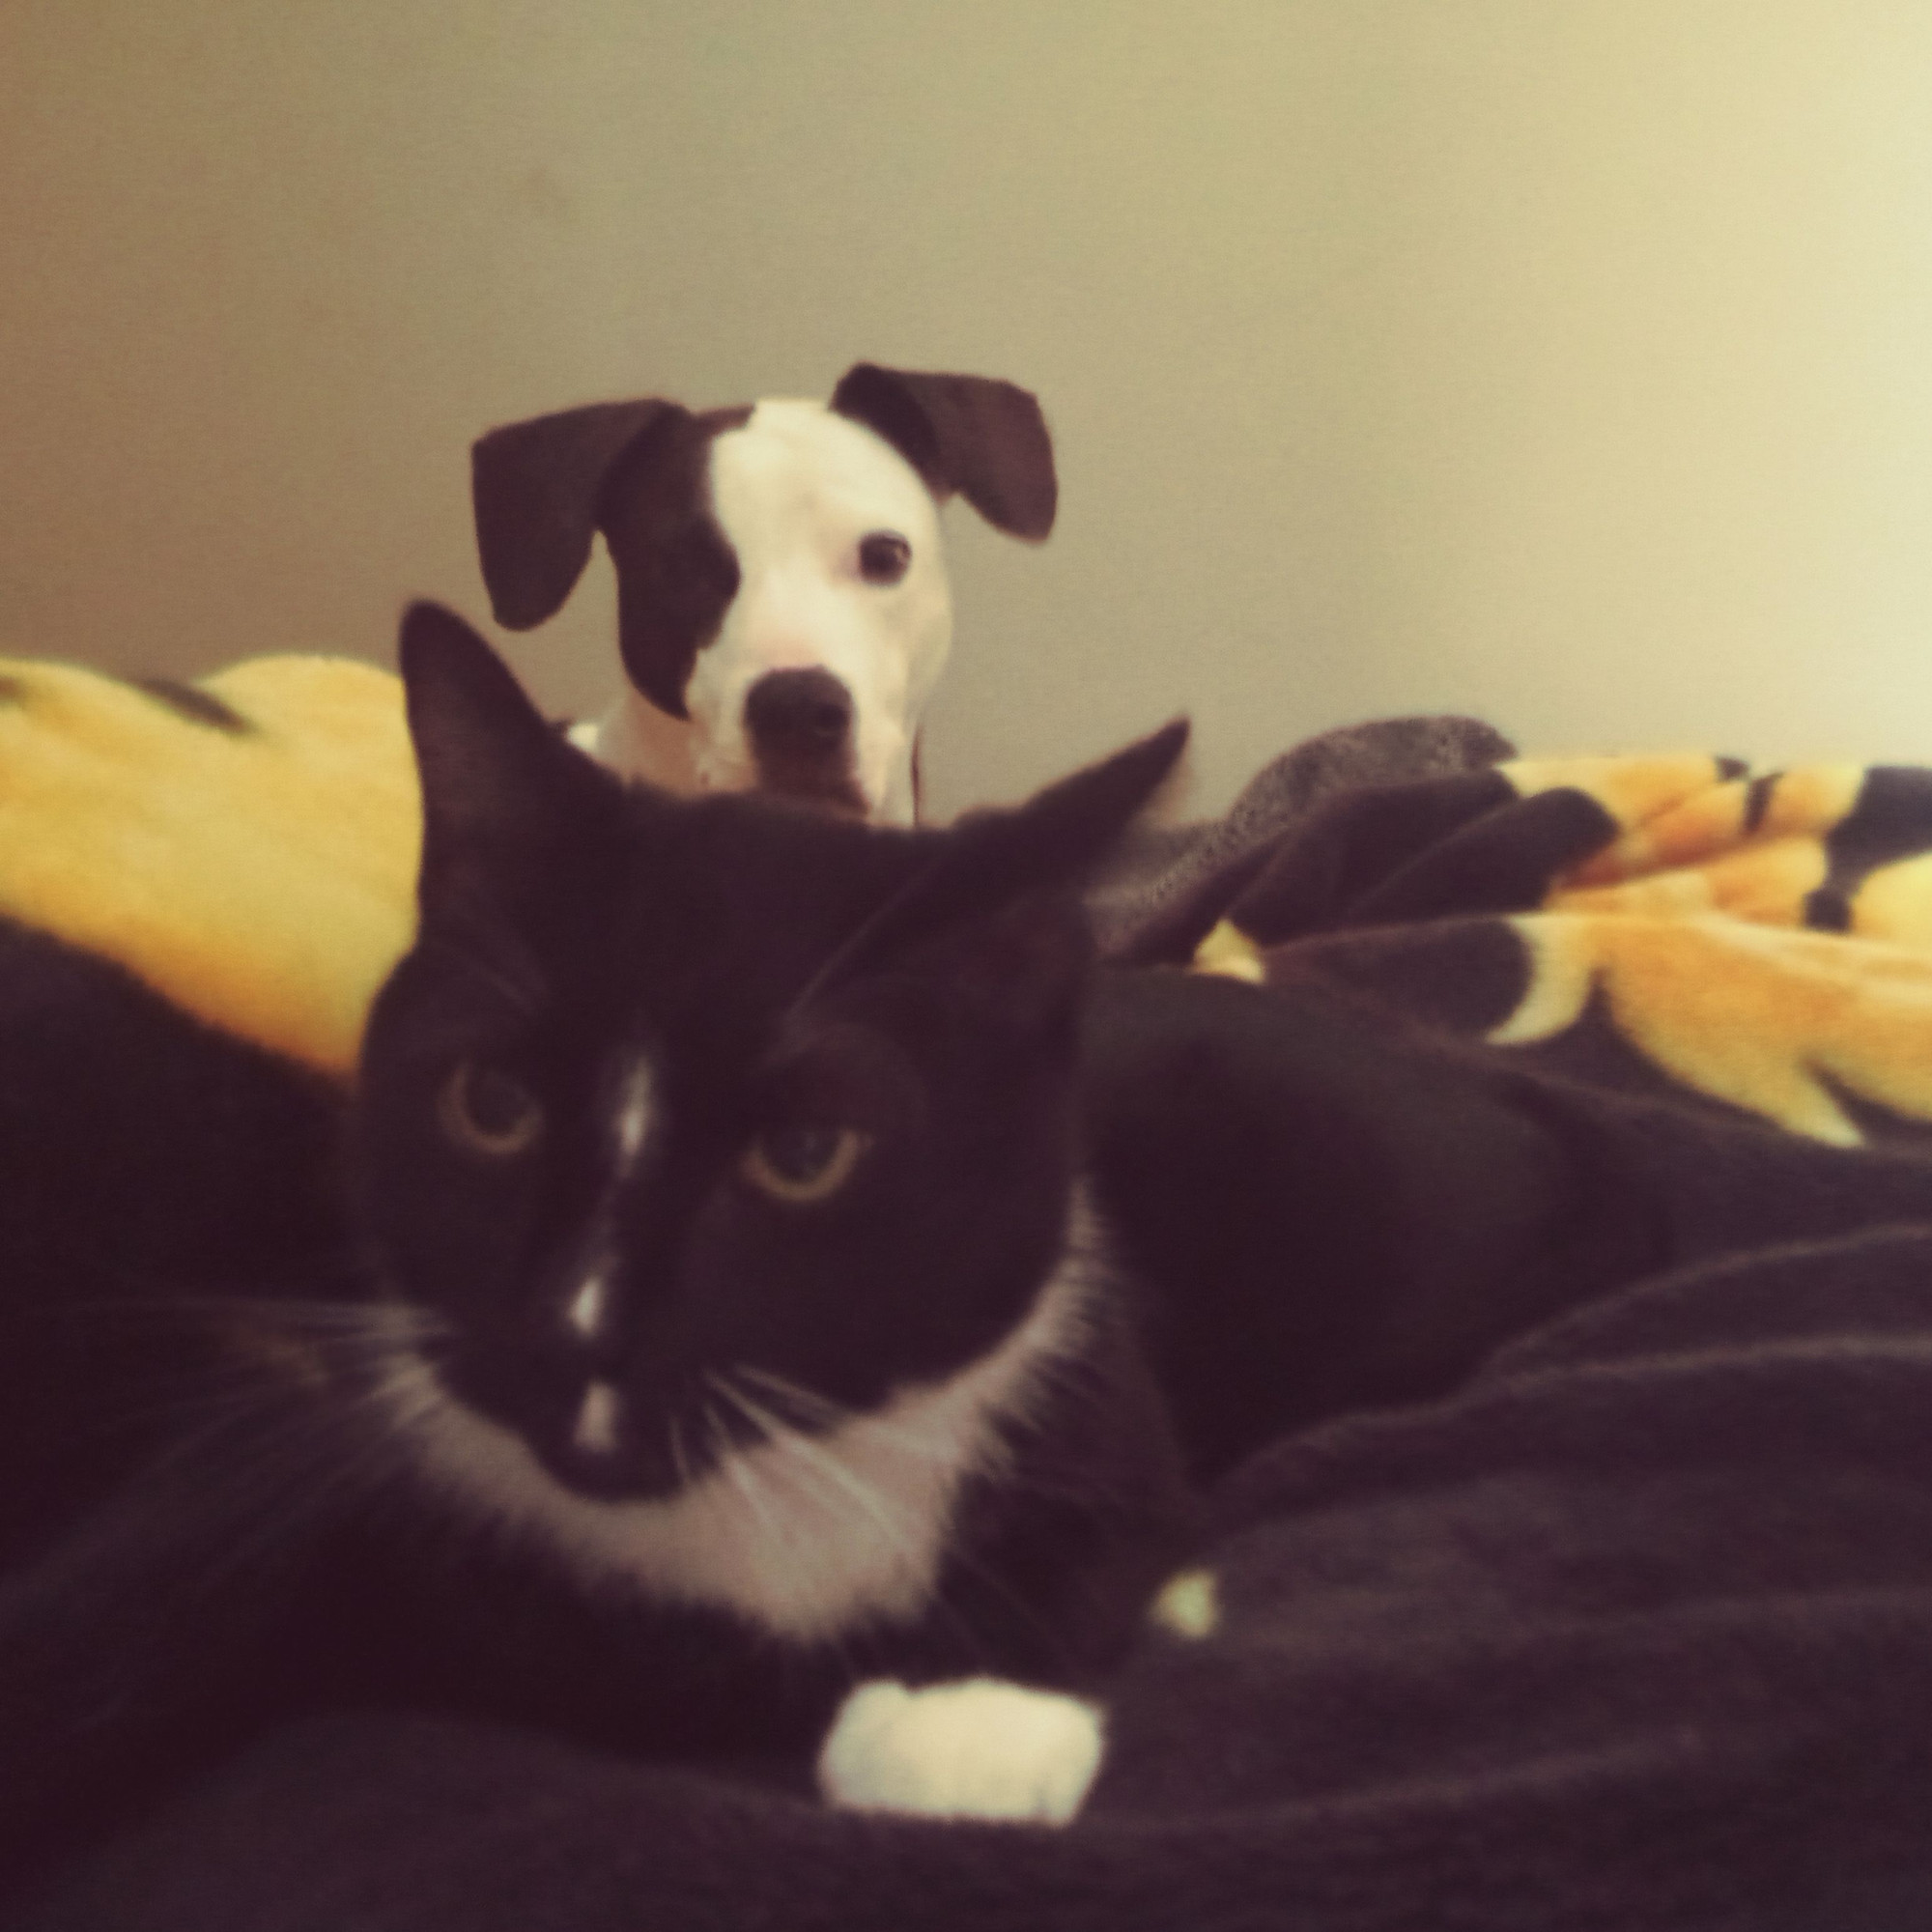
x=676, y=570
x=190, y=702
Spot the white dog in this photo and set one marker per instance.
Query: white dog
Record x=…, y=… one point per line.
x=783, y=608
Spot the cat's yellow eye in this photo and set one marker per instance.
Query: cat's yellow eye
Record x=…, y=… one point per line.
x=802, y=1162
x=488, y=1112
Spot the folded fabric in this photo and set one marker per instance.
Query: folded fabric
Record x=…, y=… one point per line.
x=1766, y=941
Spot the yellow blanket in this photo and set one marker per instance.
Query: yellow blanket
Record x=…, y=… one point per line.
x=245, y=845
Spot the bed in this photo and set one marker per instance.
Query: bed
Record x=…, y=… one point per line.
x=1623, y=1621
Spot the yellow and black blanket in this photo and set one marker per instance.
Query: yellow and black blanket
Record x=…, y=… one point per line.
x=1668, y=923
x=246, y=847
x=1630, y=1627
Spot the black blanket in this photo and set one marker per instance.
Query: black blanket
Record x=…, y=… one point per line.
x=1633, y=1628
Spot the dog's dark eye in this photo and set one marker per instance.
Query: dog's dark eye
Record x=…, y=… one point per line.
x=485, y=1110
x=804, y=1161
x=884, y=557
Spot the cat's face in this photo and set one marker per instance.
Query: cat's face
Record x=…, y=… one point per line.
x=696, y=1122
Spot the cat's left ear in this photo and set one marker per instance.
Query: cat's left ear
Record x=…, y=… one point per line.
x=498, y=781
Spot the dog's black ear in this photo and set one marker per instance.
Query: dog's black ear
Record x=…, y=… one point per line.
x=974, y=434
x=536, y=487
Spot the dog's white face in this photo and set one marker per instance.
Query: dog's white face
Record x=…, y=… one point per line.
x=842, y=569
x=783, y=608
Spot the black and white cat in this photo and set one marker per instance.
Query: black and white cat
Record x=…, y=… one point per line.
x=704, y=1330
x=737, y=1156
x=695, y=1314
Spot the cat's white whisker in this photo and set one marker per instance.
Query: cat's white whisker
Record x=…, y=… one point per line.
x=271, y=1471
x=824, y=1483
x=734, y=1469
x=783, y=1535
x=824, y=1409
x=332, y=1326
x=869, y=1500
x=808, y=1399
x=832, y=1487
x=257, y=1361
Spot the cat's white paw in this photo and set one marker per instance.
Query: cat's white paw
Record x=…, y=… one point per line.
x=978, y=1748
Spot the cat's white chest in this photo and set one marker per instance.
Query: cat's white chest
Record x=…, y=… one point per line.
x=804, y=1536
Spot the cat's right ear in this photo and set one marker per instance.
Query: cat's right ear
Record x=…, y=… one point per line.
x=1055, y=839
x=1050, y=845
x=496, y=779
x=1061, y=831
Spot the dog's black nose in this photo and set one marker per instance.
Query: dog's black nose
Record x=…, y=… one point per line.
x=799, y=713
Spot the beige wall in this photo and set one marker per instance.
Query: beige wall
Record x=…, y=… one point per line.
x=1565, y=361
